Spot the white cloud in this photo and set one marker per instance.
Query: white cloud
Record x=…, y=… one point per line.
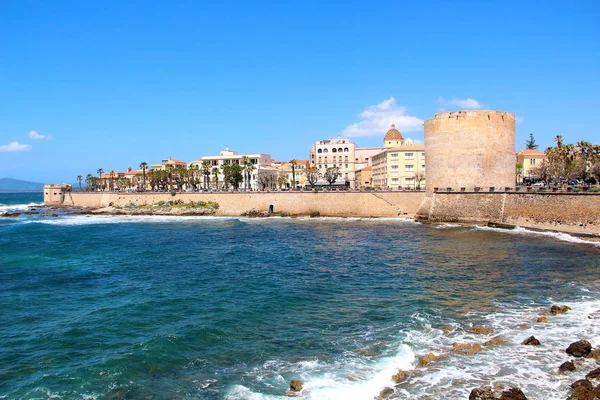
x=467, y=103
x=519, y=120
x=36, y=136
x=14, y=146
x=377, y=119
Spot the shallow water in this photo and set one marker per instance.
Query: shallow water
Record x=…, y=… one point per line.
x=234, y=308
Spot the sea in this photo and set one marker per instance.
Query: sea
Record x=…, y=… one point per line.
x=153, y=307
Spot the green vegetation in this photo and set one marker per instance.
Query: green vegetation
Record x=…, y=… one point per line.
x=176, y=204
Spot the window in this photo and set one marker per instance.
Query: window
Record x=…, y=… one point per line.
x=410, y=181
x=394, y=168
x=409, y=156
x=423, y=167
x=346, y=158
x=409, y=168
x=333, y=150
x=532, y=161
x=394, y=156
x=346, y=150
x=319, y=151
x=346, y=165
x=423, y=155
x=320, y=159
x=325, y=150
x=340, y=150
x=395, y=181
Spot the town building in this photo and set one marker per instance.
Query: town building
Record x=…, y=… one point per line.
x=164, y=164
x=401, y=165
x=529, y=159
x=258, y=163
x=299, y=171
x=335, y=153
x=364, y=177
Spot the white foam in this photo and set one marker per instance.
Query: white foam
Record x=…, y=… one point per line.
x=74, y=220
x=565, y=237
x=17, y=207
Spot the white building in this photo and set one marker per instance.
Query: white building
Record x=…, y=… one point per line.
x=335, y=153
x=261, y=162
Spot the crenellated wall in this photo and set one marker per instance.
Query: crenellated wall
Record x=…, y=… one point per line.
x=343, y=204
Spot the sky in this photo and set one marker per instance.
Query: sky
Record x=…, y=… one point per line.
x=109, y=84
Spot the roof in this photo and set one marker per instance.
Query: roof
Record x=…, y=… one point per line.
x=393, y=134
x=369, y=168
x=531, y=152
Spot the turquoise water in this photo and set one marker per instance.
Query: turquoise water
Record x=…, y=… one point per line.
x=234, y=308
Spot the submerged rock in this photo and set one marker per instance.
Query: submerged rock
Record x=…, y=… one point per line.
x=580, y=348
x=531, y=341
x=594, y=374
x=466, y=348
x=399, y=377
x=427, y=358
x=554, y=310
x=496, y=341
x=482, y=393
x=566, y=366
x=385, y=393
x=542, y=319
x=480, y=330
x=296, y=385
x=513, y=394
x=10, y=215
x=597, y=391
x=595, y=354
x=582, y=390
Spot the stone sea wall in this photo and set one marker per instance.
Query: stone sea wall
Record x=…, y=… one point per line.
x=338, y=204
x=560, y=211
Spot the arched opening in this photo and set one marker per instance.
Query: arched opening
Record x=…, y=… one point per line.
x=271, y=209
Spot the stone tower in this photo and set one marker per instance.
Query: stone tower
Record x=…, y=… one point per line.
x=468, y=149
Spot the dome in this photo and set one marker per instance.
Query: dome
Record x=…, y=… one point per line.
x=393, y=134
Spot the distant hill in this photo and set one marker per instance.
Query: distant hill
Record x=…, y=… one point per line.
x=16, y=185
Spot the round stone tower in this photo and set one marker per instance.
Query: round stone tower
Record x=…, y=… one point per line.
x=468, y=149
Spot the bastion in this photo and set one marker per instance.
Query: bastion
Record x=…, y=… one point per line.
x=57, y=195
x=469, y=149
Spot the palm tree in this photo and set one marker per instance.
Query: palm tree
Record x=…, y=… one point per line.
x=215, y=172
x=206, y=172
x=293, y=163
x=144, y=167
x=248, y=168
x=112, y=180
x=79, y=178
x=100, y=172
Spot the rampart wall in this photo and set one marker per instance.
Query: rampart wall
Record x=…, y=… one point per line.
x=561, y=211
x=340, y=204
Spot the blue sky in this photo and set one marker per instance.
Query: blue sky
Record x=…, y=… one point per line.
x=115, y=83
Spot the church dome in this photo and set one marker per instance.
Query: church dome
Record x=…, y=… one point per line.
x=393, y=134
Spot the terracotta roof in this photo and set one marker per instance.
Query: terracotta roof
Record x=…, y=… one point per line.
x=530, y=152
x=173, y=161
x=393, y=134
x=369, y=168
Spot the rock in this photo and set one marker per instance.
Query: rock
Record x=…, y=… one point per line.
x=466, y=348
x=10, y=215
x=595, y=374
x=582, y=390
x=296, y=386
x=595, y=354
x=426, y=360
x=315, y=214
x=579, y=349
x=566, y=366
x=554, y=310
x=480, y=330
x=542, y=319
x=513, y=394
x=531, y=341
x=399, y=377
x=482, y=393
x=447, y=328
x=496, y=341
x=385, y=393
x=597, y=391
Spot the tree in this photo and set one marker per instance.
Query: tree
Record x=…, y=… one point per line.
x=293, y=163
x=226, y=170
x=248, y=168
x=519, y=170
x=111, y=180
x=281, y=180
x=265, y=179
x=419, y=176
x=331, y=175
x=144, y=167
x=215, y=172
x=90, y=182
x=235, y=175
x=206, y=173
x=79, y=178
x=312, y=176
x=530, y=143
x=100, y=172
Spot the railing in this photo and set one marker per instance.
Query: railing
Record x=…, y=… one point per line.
x=522, y=189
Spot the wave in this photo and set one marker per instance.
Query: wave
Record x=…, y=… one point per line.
x=530, y=368
x=4, y=208
x=565, y=237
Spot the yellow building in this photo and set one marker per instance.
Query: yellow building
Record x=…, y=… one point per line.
x=299, y=171
x=401, y=165
x=169, y=162
x=364, y=177
x=530, y=160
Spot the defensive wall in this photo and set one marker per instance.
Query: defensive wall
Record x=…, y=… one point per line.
x=561, y=211
x=338, y=204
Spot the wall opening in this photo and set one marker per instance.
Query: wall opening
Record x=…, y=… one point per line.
x=271, y=209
